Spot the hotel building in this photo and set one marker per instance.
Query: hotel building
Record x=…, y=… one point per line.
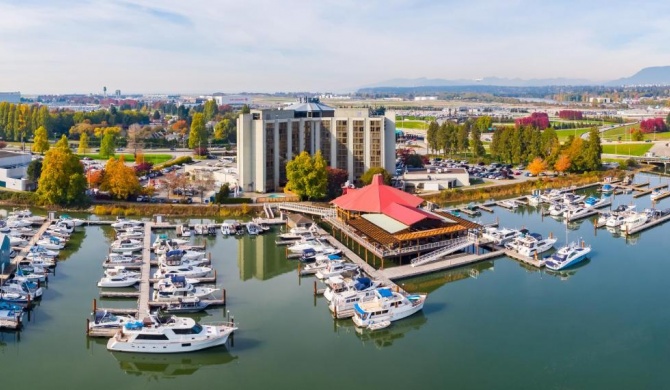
x=349, y=139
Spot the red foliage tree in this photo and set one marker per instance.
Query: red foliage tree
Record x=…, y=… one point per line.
x=654, y=125
x=538, y=120
x=143, y=168
x=336, y=178
x=570, y=115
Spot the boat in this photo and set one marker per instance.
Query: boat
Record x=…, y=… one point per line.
x=10, y=319
x=534, y=198
x=184, y=230
x=379, y=325
x=163, y=239
x=342, y=302
x=531, y=244
x=500, y=236
x=127, y=245
x=122, y=223
x=175, y=287
x=10, y=306
x=570, y=199
x=162, y=334
x=23, y=287
x=66, y=219
x=51, y=243
x=61, y=227
x=253, y=229
x=14, y=296
x=658, y=193
x=320, y=262
x=17, y=241
x=230, y=227
x=120, y=271
x=634, y=220
x=186, y=271
x=615, y=220
x=315, y=244
x=118, y=280
x=298, y=233
x=39, y=261
x=186, y=305
x=122, y=259
x=335, y=268
x=105, y=320
x=551, y=196
x=309, y=255
x=593, y=202
x=31, y=273
x=557, y=209
x=510, y=204
x=387, y=305
x=607, y=188
x=576, y=212
x=130, y=233
x=566, y=256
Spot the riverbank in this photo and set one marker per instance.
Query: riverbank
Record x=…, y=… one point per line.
x=478, y=194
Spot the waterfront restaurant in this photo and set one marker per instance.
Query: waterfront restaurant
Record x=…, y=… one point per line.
x=391, y=220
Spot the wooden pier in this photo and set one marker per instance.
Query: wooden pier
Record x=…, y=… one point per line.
x=119, y=294
x=454, y=261
x=524, y=259
x=647, y=225
x=13, y=264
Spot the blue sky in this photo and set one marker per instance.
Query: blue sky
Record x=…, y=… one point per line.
x=202, y=46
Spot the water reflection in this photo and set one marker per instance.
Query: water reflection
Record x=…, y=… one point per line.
x=431, y=282
x=384, y=337
x=260, y=258
x=567, y=273
x=165, y=366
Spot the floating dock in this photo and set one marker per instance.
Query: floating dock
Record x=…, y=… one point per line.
x=407, y=271
x=13, y=264
x=652, y=223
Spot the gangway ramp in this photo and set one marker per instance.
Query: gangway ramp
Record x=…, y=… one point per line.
x=456, y=245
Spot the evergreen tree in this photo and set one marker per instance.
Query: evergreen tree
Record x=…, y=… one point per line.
x=83, y=144
x=476, y=145
x=462, y=139
x=431, y=135
x=592, y=151
x=107, y=145
x=210, y=110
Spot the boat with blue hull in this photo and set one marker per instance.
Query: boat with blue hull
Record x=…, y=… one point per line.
x=567, y=256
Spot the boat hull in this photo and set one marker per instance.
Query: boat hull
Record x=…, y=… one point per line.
x=173, y=347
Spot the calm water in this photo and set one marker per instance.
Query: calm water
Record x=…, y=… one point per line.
x=602, y=325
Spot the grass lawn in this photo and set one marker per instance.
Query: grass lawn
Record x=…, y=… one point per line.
x=564, y=134
x=629, y=149
x=152, y=158
x=415, y=125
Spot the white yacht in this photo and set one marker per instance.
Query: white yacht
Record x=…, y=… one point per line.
x=298, y=233
x=321, y=261
x=126, y=223
x=118, y=280
x=158, y=334
x=51, y=243
x=658, y=193
x=551, y=196
x=127, y=245
x=634, y=220
x=186, y=271
x=66, y=219
x=176, y=287
x=615, y=220
x=387, y=305
x=121, y=270
x=576, y=211
x=361, y=290
x=557, y=209
x=335, y=268
x=229, y=227
x=567, y=256
x=121, y=259
x=253, y=229
x=300, y=246
x=572, y=199
x=509, y=203
x=531, y=244
x=593, y=202
x=106, y=320
x=503, y=236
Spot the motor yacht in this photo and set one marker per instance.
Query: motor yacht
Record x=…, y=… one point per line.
x=634, y=220
x=118, y=280
x=338, y=284
x=174, y=287
x=531, y=244
x=230, y=227
x=186, y=305
x=335, y=268
x=105, y=320
x=186, y=271
x=126, y=223
x=162, y=334
x=387, y=305
x=567, y=256
x=126, y=245
x=342, y=303
x=253, y=229
x=320, y=262
x=121, y=259
x=658, y=193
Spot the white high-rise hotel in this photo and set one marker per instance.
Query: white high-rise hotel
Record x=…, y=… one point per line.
x=349, y=139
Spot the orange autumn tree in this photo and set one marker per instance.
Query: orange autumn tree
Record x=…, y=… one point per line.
x=537, y=166
x=563, y=163
x=95, y=178
x=119, y=179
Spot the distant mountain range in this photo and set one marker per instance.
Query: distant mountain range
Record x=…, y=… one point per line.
x=646, y=76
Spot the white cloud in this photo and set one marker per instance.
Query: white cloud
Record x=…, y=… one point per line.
x=256, y=45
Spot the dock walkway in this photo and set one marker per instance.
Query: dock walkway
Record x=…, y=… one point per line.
x=407, y=271
x=24, y=252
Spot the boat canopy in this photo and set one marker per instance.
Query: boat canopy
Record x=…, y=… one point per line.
x=362, y=283
x=536, y=236
x=334, y=257
x=175, y=252
x=359, y=309
x=384, y=292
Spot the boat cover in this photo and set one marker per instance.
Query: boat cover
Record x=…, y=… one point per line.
x=384, y=293
x=362, y=283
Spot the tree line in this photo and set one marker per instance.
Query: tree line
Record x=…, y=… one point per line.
x=451, y=138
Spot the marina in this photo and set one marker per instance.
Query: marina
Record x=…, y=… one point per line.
x=471, y=301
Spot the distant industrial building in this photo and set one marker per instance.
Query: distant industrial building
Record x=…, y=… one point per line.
x=349, y=139
x=230, y=100
x=10, y=97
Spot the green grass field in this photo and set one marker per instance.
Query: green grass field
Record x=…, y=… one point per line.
x=627, y=149
x=414, y=125
x=564, y=134
x=152, y=158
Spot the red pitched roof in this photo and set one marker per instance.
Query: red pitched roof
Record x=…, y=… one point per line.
x=407, y=215
x=376, y=197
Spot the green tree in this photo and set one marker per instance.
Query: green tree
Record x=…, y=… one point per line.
x=34, y=170
x=108, y=145
x=307, y=176
x=431, y=135
x=592, y=152
x=83, y=144
x=40, y=141
x=210, y=110
x=156, y=116
x=370, y=173
x=476, y=145
x=44, y=119
x=245, y=109
x=198, y=135
x=62, y=181
x=462, y=139
x=483, y=123
x=636, y=135
x=223, y=129
x=222, y=195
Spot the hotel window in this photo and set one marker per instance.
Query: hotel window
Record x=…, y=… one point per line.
x=375, y=144
x=341, y=136
x=283, y=150
x=308, y=137
x=325, y=141
x=269, y=157
x=359, y=148
x=295, y=139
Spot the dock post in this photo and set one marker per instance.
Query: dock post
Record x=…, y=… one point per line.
x=382, y=262
x=214, y=276
x=88, y=329
x=224, y=296
x=209, y=254
x=334, y=310
x=95, y=305
x=315, y=288
x=299, y=266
